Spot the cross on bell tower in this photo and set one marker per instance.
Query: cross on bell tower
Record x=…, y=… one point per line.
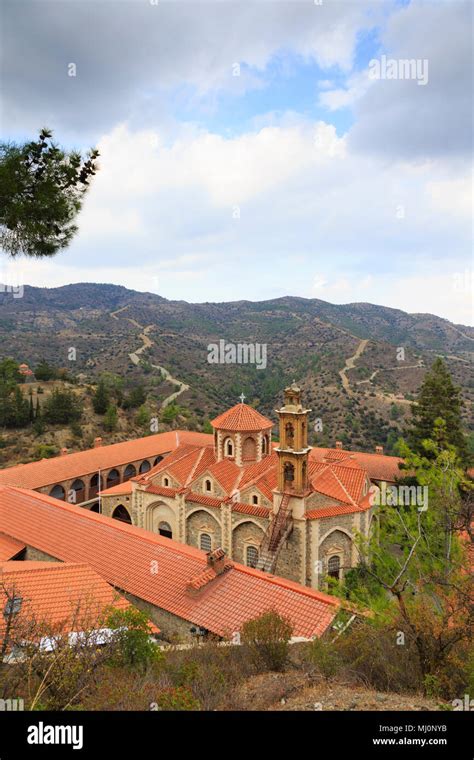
x=293, y=449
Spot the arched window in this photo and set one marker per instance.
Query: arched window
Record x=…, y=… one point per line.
x=166, y=482
x=79, y=492
x=157, y=461
x=251, y=556
x=334, y=567
x=113, y=478
x=228, y=447
x=130, y=472
x=289, y=434
x=289, y=472
x=120, y=513
x=94, y=486
x=145, y=466
x=205, y=542
x=254, y=499
x=207, y=485
x=164, y=529
x=265, y=444
x=57, y=492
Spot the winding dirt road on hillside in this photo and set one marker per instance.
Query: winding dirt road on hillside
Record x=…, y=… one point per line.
x=147, y=342
x=350, y=363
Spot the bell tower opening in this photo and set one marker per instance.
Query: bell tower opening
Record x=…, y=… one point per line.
x=293, y=449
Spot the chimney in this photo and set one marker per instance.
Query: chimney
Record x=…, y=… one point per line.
x=216, y=560
x=63, y=453
x=97, y=442
x=379, y=449
x=338, y=444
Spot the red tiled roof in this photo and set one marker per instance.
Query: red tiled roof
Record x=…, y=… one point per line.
x=121, y=489
x=9, y=547
x=202, y=498
x=122, y=554
x=378, y=466
x=250, y=509
x=241, y=417
x=50, y=471
x=65, y=596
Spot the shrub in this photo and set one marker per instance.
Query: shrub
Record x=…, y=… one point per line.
x=267, y=637
x=323, y=655
x=176, y=698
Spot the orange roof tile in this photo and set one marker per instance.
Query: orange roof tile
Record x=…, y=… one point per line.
x=378, y=466
x=121, y=489
x=241, y=417
x=122, y=554
x=65, y=596
x=50, y=471
x=9, y=547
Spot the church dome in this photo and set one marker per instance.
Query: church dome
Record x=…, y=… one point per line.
x=241, y=417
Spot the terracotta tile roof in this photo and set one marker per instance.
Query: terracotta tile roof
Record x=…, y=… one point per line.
x=162, y=490
x=121, y=489
x=64, y=596
x=338, y=482
x=9, y=547
x=250, y=509
x=202, y=498
x=241, y=417
x=378, y=466
x=121, y=554
x=226, y=473
x=74, y=465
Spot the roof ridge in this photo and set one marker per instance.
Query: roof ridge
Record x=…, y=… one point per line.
x=152, y=538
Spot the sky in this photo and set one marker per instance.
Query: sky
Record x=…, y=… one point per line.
x=256, y=149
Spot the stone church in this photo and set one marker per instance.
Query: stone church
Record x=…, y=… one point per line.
x=284, y=508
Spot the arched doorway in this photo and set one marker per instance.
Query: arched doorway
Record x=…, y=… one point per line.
x=145, y=466
x=122, y=514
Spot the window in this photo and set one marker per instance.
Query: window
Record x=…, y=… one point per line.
x=207, y=485
x=205, y=542
x=265, y=444
x=166, y=482
x=229, y=447
x=164, y=529
x=251, y=556
x=334, y=567
x=122, y=514
x=289, y=472
x=255, y=499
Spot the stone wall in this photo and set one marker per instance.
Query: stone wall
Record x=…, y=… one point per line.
x=245, y=534
x=36, y=555
x=290, y=563
x=203, y=522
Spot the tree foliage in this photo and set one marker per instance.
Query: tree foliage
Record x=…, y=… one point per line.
x=438, y=398
x=41, y=193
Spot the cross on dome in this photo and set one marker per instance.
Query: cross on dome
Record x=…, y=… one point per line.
x=242, y=398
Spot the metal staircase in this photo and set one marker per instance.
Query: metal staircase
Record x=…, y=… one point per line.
x=276, y=533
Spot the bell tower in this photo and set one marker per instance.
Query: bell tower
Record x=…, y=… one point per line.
x=293, y=449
